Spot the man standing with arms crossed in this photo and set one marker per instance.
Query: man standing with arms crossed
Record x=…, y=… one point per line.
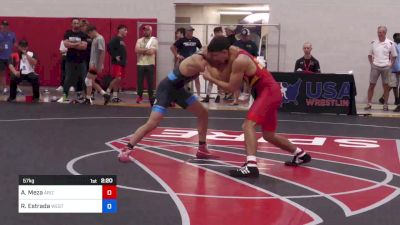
x=146, y=48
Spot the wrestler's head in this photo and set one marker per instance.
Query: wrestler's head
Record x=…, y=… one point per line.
x=218, y=50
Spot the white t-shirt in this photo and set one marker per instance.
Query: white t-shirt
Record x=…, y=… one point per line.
x=382, y=51
x=24, y=66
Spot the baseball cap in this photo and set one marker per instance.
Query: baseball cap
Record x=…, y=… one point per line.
x=232, y=28
x=23, y=43
x=245, y=32
x=190, y=28
x=147, y=27
x=4, y=23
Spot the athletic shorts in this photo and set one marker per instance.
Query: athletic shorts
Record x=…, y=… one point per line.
x=394, y=79
x=377, y=71
x=117, y=71
x=3, y=65
x=167, y=92
x=264, y=110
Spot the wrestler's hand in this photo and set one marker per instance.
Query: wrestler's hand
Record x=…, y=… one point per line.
x=207, y=75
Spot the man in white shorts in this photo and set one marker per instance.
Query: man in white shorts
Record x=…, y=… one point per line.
x=381, y=57
x=396, y=73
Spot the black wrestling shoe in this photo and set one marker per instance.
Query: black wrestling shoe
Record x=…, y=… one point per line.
x=297, y=160
x=245, y=171
x=87, y=102
x=107, y=98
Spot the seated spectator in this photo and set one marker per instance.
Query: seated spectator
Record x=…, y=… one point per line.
x=22, y=67
x=307, y=63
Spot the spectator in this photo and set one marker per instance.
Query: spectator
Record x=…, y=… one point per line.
x=96, y=65
x=307, y=63
x=22, y=66
x=117, y=50
x=217, y=32
x=75, y=66
x=381, y=56
x=230, y=34
x=80, y=84
x=146, y=48
x=179, y=33
x=394, y=79
x=396, y=72
x=7, y=40
x=245, y=42
x=63, y=52
x=186, y=47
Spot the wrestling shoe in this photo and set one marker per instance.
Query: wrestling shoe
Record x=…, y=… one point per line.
x=245, y=171
x=299, y=159
x=203, y=153
x=123, y=156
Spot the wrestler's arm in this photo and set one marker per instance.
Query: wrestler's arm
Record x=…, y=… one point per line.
x=235, y=80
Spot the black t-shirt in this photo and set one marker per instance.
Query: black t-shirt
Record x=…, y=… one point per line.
x=232, y=39
x=249, y=46
x=75, y=55
x=117, y=47
x=187, y=47
x=307, y=65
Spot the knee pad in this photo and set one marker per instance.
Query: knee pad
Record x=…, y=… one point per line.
x=88, y=82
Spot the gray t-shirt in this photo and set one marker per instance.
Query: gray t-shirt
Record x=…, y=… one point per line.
x=98, y=45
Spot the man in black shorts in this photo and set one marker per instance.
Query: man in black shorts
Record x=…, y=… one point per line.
x=172, y=89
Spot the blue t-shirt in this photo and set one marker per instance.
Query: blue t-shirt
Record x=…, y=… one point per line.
x=7, y=40
x=396, y=65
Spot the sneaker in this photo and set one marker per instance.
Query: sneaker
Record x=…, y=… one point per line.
x=107, y=98
x=217, y=99
x=245, y=171
x=203, y=153
x=60, y=89
x=123, y=156
x=11, y=99
x=19, y=92
x=206, y=99
x=151, y=100
x=87, y=101
x=368, y=107
x=397, y=109
x=36, y=100
x=397, y=101
x=80, y=96
x=63, y=99
x=297, y=160
x=139, y=99
x=71, y=89
x=5, y=91
x=116, y=100
x=382, y=100
x=385, y=108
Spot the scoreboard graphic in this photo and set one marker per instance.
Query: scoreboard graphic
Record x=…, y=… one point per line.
x=67, y=194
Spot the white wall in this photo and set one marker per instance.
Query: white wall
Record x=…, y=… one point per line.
x=339, y=30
